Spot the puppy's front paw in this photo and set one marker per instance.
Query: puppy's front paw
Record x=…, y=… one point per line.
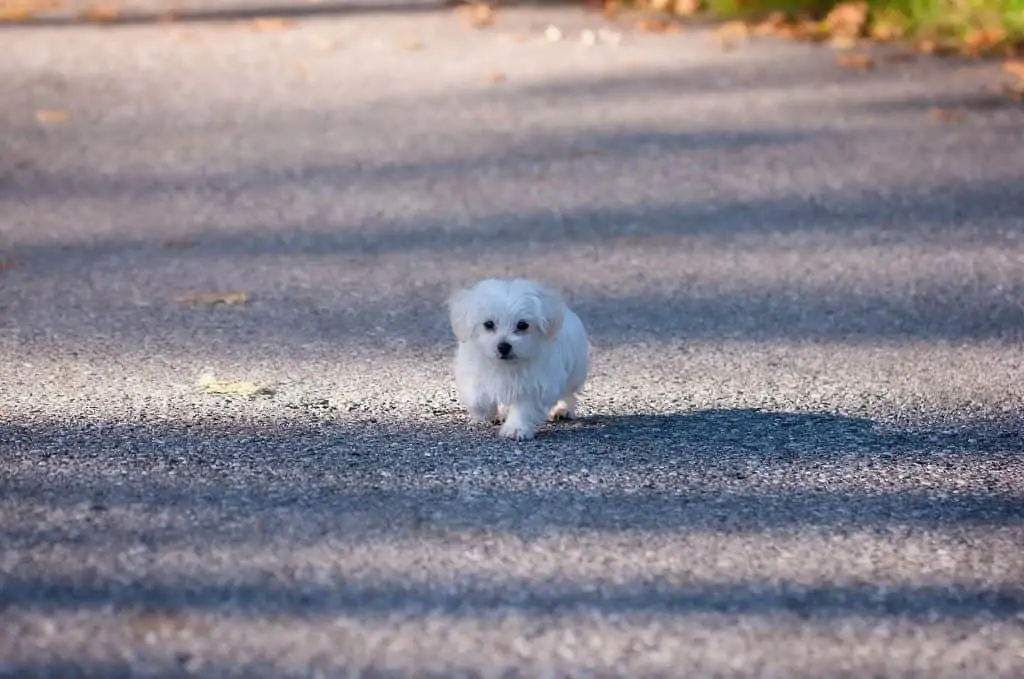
x=516, y=431
x=481, y=415
x=562, y=411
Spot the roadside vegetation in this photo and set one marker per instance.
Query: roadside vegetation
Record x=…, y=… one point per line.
x=969, y=27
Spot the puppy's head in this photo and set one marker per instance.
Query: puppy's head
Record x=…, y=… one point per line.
x=507, y=320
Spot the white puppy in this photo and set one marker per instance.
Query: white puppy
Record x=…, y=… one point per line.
x=522, y=353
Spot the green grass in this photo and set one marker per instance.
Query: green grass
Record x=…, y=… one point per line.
x=944, y=19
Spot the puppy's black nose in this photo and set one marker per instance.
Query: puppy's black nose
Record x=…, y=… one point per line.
x=504, y=348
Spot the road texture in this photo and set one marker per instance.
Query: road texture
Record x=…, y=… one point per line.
x=801, y=451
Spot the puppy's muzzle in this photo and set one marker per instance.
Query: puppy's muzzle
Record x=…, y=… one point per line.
x=505, y=350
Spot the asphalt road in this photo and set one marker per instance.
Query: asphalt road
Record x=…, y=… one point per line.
x=801, y=450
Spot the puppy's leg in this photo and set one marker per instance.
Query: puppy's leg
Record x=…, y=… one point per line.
x=522, y=421
x=565, y=409
x=482, y=411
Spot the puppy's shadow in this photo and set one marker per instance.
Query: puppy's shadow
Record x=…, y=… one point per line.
x=754, y=432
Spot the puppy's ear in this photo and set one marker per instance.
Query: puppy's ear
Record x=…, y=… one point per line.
x=460, y=312
x=550, y=312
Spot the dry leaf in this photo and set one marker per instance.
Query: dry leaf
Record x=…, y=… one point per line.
x=21, y=10
x=686, y=7
x=52, y=116
x=929, y=46
x=843, y=42
x=771, y=25
x=261, y=24
x=656, y=26
x=611, y=10
x=859, y=62
x=847, y=19
x=982, y=40
x=514, y=38
x=412, y=46
x=211, y=385
x=8, y=263
x=1014, y=67
x=102, y=13
x=887, y=25
x=326, y=44
x=214, y=298
x=15, y=13
x=807, y=29
x=947, y=115
x=1015, y=91
x=729, y=33
x=495, y=77
x=476, y=15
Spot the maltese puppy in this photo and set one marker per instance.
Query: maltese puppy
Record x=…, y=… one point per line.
x=522, y=354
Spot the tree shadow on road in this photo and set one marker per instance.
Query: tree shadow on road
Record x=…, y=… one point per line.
x=133, y=14
x=725, y=470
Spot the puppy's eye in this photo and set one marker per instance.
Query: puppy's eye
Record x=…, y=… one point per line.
x=488, y=325
x=522, y=326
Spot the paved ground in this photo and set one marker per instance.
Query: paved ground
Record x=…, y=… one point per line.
x=801, y=454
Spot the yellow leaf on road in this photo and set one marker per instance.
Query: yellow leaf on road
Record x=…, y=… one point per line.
x=52, y=116
x=261, y=24
x=212, y=298
x=211, y=385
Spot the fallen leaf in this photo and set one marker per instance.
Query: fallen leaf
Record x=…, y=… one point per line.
x=412, y=46
x=515, y=38
x=476, y=14
x=8, y=263
x=211, y=385
x=1015, y=91
x=729, y=33
x=52, y=116
x=887, y=25
x=936, y=47
x=102, y=14
x=843, y=42
x=214, y=298
x=656, y=26
x=847, y=19
x=611, y=10
x=21, y=10
x=496, y=77
x=947, y=115
x=686, y=7
x=859, y=62
x=808, y=30
x=261, y=24
x=179, y=243
x=16, y=12
x=326, y=44
x=771, y=25
x=982, y=40
x=1014, y=67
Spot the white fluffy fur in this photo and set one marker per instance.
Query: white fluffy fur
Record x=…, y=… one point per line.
x=548, y=360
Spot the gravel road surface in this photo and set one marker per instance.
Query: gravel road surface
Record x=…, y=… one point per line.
x=801, y=452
